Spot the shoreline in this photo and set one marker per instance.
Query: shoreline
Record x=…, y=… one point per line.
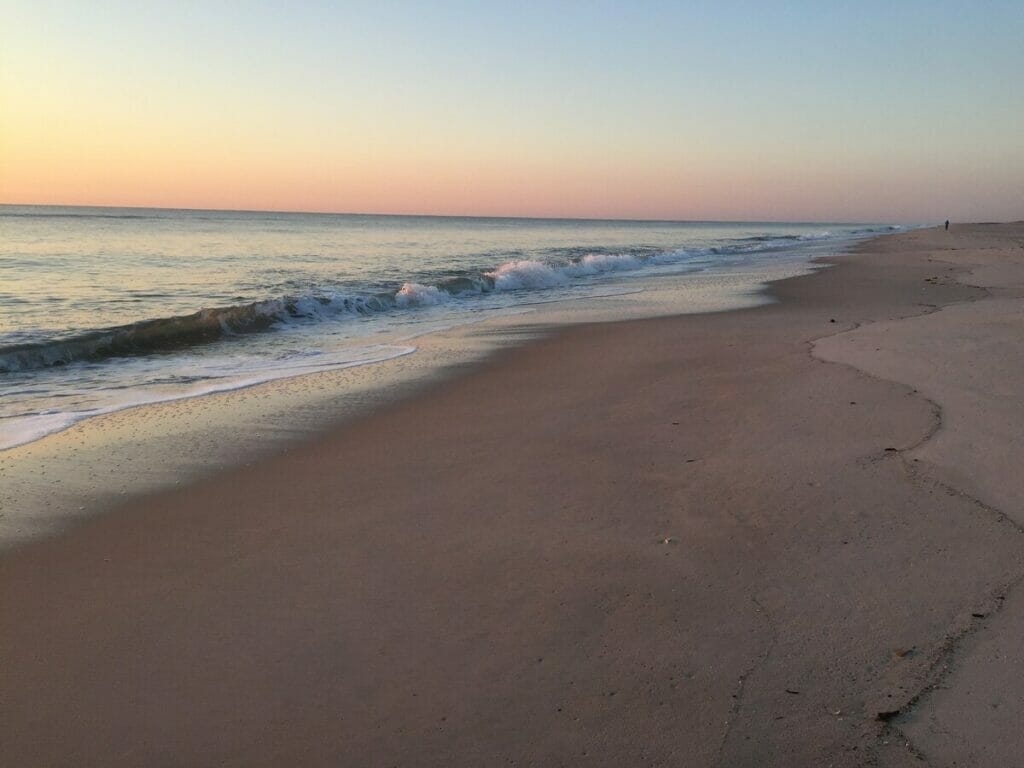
x=354, y=601
x=165, y=349
x=108, y=459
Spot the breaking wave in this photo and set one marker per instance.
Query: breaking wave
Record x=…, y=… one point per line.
x=170, y=334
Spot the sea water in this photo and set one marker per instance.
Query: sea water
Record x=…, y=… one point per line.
x=103, y=309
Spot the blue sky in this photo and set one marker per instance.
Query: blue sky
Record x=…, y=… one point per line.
x=681, y=110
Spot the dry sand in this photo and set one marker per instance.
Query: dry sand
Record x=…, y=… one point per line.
x=682, y=541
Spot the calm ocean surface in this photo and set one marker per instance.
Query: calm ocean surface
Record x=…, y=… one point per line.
x=105, y=308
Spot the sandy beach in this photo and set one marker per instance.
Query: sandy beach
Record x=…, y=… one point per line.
x=780, y=536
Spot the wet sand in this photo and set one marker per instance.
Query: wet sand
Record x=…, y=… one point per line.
x=787, y=535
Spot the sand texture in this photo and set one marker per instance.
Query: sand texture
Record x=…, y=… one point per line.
x=781, y=536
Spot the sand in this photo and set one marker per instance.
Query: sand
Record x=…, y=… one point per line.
x=787, y=535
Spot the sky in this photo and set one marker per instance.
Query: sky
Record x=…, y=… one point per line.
x=898, y=111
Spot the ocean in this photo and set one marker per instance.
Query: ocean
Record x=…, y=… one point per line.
x=103, y=309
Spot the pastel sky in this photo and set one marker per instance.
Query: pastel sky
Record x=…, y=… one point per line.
x=861, y=111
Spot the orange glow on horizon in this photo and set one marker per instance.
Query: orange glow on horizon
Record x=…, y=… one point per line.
x=130, y=126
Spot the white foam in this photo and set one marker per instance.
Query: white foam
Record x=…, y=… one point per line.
x=18, y=430
x=418, y=295
x=525, y=273
x=595, y=263
x=218, y=377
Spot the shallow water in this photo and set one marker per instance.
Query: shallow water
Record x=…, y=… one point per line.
x=102, y=309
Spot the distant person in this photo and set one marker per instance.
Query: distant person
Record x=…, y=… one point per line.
x=947, y=225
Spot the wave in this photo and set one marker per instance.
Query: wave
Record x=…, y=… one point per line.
x=782, y=240
x=49, y=215
x=171, y=334
x=767, y=238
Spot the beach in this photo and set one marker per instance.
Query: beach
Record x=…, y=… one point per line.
x=783, y=535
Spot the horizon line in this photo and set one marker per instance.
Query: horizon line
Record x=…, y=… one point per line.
x=446, y=215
